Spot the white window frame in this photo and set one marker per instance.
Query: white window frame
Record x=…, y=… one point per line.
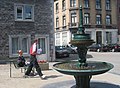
x=72, y=3
x=98, y=19
x=57, y=7
x=108, y=19
x=86, y=18
x=20, y=37
x=57, y=22
x=23, y=6
x=63, y=5
x=73, y=17
x=64, y=20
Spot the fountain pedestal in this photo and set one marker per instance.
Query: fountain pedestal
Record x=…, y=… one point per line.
x=82, y=81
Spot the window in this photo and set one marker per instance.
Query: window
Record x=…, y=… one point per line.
x=86, y=18
x=72, y=3
x=41, y=44
x=108, y=37
x=24, y=12
x=57, y=38
x=86, y=3
x=64, y=21
x=108, y=19
x=64, y=38
x=63, y=4
x=107, y=4
x=98, y=19
x=98, y=4
x=57, y=22
x=73, y=19
x=57, y=7
x=19, y=42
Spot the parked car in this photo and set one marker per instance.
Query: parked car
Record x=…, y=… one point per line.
x=114, y=47
x=61, y=51
x=99, y=48
x=94, y=47
x=72, y=49
x=105, y=48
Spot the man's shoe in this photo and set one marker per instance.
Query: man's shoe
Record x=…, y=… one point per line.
x=43, y=77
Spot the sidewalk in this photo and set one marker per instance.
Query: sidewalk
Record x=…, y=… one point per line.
x=54, y=79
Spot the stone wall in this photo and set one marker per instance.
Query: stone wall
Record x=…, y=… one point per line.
x=43, y=22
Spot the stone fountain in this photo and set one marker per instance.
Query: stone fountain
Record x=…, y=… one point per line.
x=81, y=69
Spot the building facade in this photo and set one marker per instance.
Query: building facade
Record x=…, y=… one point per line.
x=22, y=21
x=100, y=20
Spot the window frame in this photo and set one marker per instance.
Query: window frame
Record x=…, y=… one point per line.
x=64, y=20
x=98, y=4
x=86, y=3
x=86, y=18
x=108, y=4
x=73, y=3
x=23, y=6
x=108, y=19
x=20, y=38
x=57, y=7
x=98, y=19
x=57, y=22
x=63, y=5
x=73, y=17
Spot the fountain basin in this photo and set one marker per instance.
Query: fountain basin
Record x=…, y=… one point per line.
x=93, y=68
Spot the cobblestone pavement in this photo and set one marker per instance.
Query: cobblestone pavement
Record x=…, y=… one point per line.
x=54, y=79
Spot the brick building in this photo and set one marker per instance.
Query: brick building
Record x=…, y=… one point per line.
x=21, y=21
x=100, y=20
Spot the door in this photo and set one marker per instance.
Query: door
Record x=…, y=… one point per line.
x=43, y=44
x=99, y=37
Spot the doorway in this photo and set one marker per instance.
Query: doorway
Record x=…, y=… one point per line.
x=43, y=43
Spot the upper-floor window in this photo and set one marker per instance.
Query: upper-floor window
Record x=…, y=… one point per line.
x=73, y=18
x=86, y=3
x=63, y=4
x=98, y=4
x=57, y=7
x=57, y=22
x=64, y=20
x=98, y=19
x=24, y=12
x=108, y=5
x=108, y=19
x=86, y=18
x=72, y=3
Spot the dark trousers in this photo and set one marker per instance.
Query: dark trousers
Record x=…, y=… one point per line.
x=33, y=62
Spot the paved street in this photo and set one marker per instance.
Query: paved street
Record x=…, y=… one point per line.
x=55, y=79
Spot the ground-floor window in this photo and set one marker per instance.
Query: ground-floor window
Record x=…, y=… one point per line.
x=42, y=45
x=19, y=42
x=108, y=37
x=64, y=38
x=57, y=39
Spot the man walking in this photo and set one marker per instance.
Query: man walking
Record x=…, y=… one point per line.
x=33, y=61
